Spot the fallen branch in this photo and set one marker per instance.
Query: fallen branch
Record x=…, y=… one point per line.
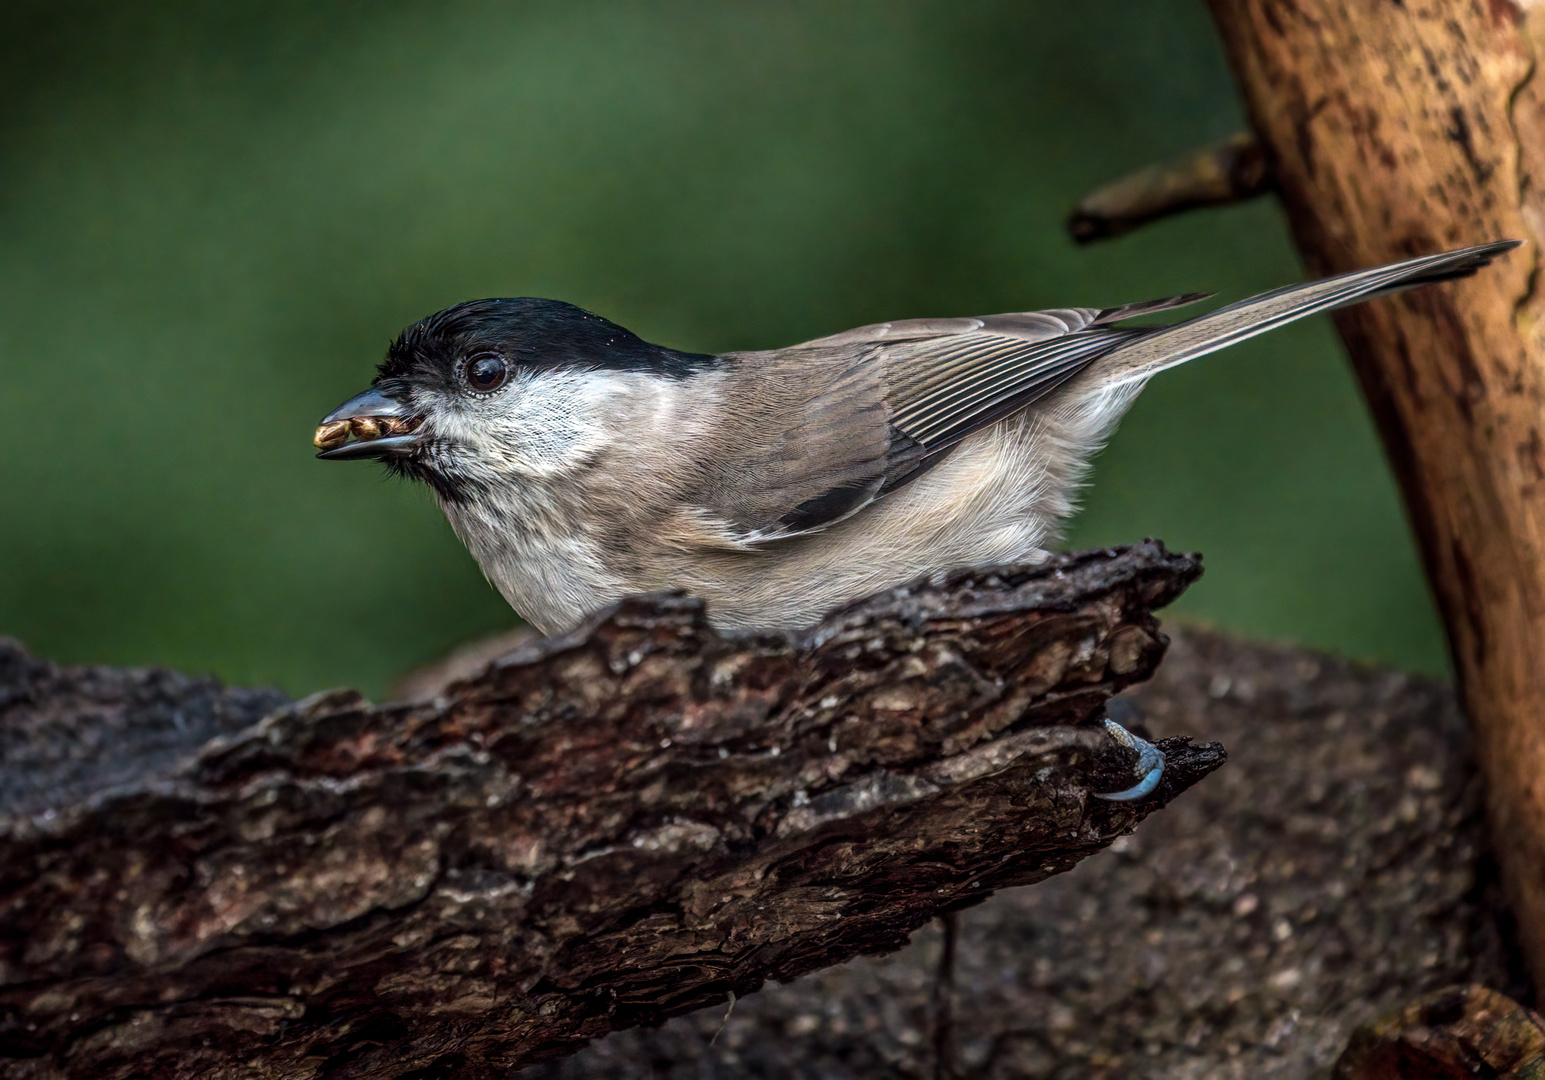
x=1234, y=170
x=603, y=829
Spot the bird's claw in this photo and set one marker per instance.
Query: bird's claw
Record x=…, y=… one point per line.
x=1150, y=764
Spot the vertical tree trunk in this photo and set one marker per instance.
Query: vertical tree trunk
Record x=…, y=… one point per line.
x=1396, y=128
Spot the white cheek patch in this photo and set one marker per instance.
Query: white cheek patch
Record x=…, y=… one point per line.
x=542, y=424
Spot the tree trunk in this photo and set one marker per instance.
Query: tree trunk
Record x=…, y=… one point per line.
x=1397, y=128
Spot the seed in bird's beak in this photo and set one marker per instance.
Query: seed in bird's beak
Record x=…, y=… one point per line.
x=366, y=427
x=331, y=435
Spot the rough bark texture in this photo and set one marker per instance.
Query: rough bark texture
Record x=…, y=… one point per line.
x=603, y=829
x=1455, y=1034
x=1336, y=869
x=1396, y=129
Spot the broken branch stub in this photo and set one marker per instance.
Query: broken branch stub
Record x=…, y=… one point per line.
x=601, y=829
x=1233, y=170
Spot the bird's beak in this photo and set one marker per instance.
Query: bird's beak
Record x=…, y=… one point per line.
x=380, y=424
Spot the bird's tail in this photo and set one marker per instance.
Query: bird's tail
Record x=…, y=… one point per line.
x=1173, y=345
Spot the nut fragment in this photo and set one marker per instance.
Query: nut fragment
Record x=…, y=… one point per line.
x=366, y=427
x=331, y=435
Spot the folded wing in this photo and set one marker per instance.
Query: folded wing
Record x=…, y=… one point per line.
x=820, y=430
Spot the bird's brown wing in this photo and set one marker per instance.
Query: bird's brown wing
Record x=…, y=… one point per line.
x=817, y=431
x=801, y=441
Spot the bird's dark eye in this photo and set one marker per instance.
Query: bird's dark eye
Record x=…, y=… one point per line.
x=486, y=372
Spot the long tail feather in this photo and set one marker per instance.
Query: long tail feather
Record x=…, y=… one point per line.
x=1232, y=324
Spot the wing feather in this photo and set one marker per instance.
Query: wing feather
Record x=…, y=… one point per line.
x=938, y=404
x=820, y=430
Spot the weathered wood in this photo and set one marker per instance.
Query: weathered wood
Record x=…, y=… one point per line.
x=1396, y=129
x=602, y=829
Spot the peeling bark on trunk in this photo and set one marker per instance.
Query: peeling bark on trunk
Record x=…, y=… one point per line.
x=600, y=830
x=1398, y=129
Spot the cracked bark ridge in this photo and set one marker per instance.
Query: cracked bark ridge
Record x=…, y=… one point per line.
x=601, y=829
x=1396, y=130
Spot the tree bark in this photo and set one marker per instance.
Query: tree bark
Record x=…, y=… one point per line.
x=1459, y=1031
x=602, y=829
x=1400, y=128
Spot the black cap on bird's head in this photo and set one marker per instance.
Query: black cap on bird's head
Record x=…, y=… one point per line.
x=475, y=348
x=527, y=330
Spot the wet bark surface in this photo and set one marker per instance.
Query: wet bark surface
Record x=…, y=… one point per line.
x=599, y=830
x=1334, y=871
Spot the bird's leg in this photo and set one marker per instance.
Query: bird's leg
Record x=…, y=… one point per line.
x=1150, y=759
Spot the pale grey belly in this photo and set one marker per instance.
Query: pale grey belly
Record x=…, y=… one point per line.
x=999, y=498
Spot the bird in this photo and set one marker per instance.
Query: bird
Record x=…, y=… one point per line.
x=581, y=464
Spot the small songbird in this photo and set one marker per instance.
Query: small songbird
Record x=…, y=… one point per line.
x=581, y=464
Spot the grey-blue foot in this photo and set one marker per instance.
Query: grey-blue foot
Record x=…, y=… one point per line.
x=1150, y=764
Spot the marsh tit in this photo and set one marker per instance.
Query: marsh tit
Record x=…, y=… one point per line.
x=579, y=463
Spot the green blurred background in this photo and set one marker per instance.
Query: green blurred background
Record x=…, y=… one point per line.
x=214, y=217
